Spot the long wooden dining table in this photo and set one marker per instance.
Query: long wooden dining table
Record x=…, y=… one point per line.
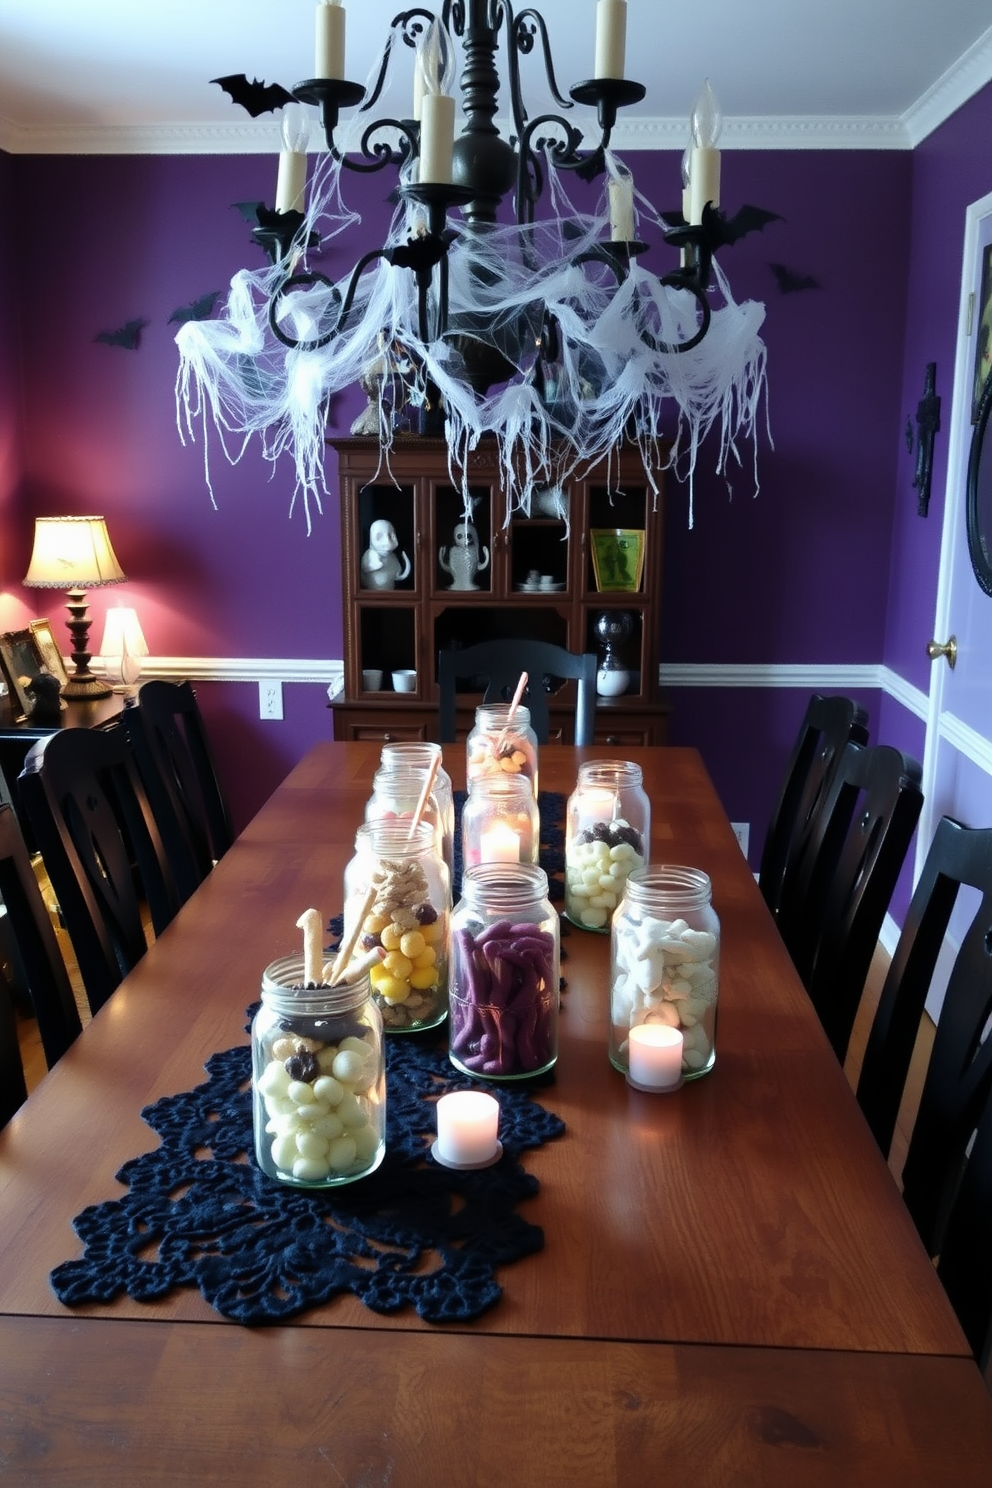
x=730, y=1290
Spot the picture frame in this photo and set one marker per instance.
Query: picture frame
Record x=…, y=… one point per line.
x=983, y=335
x=21, y=662
x=48, y=649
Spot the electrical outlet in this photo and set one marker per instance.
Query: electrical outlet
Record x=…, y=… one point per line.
x=742, y=831
x=270, y=699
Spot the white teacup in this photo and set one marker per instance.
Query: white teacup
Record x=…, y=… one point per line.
x=547, y=581
x=372, y=680
x=405, y=681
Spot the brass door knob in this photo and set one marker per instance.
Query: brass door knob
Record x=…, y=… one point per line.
x=949, y=650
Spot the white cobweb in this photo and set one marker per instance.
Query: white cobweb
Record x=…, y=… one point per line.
x=613, y=377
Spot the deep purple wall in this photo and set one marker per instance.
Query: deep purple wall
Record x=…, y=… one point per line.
x=798, y=574
x=13, y=611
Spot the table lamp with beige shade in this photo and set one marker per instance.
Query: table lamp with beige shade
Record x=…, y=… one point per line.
x=75, y=554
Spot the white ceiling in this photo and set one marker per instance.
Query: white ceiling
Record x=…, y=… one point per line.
x=123, y=76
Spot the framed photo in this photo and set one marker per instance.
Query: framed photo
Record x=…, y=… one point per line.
x=21, y=664
x=48, y=651
x=983, y=336
x=617, y=558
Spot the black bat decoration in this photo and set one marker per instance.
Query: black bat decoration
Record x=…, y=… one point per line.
x=248, y=210
x=255, y=97
x=789, y=282
x=129, y=336
x=746, y=220
x=196, y=310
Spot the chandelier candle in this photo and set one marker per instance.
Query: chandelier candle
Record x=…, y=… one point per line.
x=704, y=165
x=329, y=61
x=291, y=182
x=611, y=38
x=621, y=192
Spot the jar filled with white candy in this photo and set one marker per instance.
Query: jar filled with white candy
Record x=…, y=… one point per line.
x=318, y=1079
x=397, y=893
x=502, y=745
x=607, y=837
x=665, y=963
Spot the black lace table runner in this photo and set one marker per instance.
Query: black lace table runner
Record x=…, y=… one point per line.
x=199, y=1212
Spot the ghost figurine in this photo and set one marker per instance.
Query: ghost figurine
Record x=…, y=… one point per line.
x=380, y=567
x=462, y=560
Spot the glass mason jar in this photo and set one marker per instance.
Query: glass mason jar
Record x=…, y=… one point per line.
x=497, y=747
x=607, y=837
x=665, y=963
x=421, y=756
x=503, y=983
x=400, y=889
x=396, y=791
x=318, y=1079
x=500, y=822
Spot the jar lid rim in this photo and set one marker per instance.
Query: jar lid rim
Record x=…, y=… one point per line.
x=284, y=991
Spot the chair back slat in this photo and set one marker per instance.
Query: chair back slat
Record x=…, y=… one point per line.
x=96, y=834
x=829, y=724
x=498, y=665
x=857, y=854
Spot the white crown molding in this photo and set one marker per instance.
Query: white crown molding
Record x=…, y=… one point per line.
x=809, y=676
x=960, y=82
x=234, y=669
x=261, y=137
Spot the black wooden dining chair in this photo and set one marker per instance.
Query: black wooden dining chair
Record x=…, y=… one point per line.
x=37, y=964
x=494, y=668
x=965, y=1261
x=829, y=724
x=100, y=845
x=958, y=1078
x=847, y=877
x=172, y=750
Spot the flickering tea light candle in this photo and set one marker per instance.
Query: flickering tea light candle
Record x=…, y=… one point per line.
x=655, y=1057
x=499, y=843
x=467, y=1127
x=329, y=60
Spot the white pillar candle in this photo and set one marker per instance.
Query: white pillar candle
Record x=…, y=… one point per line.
x=329, y=59
x=621, y=210
x=467, y=1127
x=291, y=182
x=655, y=1056
x=596, y=805
x=499, y=843
x=437, y=138
x=611, y=38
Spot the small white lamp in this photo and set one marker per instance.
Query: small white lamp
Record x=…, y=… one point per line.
x=122, y=648
x=75, y=554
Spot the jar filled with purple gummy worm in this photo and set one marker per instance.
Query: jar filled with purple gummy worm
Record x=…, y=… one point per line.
x=501, y=745
x=607, y=837
x=397, y=892
x=318, y=1079
x=421, y=755
x=500, y=822
x=396, y=792
x=503, y=974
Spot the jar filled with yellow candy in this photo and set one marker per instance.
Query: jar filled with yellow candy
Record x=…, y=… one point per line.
x=397, y=892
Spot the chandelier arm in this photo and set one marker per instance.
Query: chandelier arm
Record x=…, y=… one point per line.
x=411, y=25
x=564, y=152
x=378, y=156
x=527, y=23
x=295, y=281
x=679, y=280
